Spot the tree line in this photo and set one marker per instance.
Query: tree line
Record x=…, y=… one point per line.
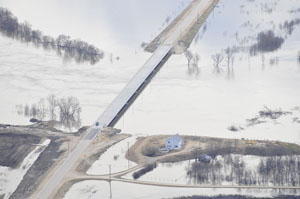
x=272, y=170
x=239, y=197
x=66, y=47
x=66, y=110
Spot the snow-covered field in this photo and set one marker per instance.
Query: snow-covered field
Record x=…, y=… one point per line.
x=11, y=178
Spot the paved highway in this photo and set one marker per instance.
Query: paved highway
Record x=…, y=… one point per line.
x=199, y=9
x=121, y=103
x=108, y=118
x=58, y=175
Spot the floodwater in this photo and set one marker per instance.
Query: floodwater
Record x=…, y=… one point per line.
x=185, y=172
x=114, y=157
x=28, y=74
x=200, y=101
x=176, y=101
x=119, y=190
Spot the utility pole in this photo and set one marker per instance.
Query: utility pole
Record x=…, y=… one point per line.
x=109, y=173
x=110, y=192
x=123, y=117
x=69, y=151
x=128, y=153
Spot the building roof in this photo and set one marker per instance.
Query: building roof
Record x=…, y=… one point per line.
x=175, y=137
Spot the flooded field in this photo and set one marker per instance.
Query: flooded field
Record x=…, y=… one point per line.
x=119, y=190
x=228, y=170
x=114, y=157
x=207, y=98
x=198, y=101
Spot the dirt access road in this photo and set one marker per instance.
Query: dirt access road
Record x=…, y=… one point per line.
x=193, y=146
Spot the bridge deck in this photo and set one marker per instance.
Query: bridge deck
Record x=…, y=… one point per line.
x=127, y=95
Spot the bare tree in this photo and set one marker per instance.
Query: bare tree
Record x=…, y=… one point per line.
x=69, y=111
x=20, y=109
x=36, y=36
x=63, y=45
x=196, y=58
x=25, y=32
x=189, y=56
x=193, y=68
x=217, y=59
x=52, y=104
x=229, y=52
x=61, y=41
x=41, y=109
x=33, y=110
x=229, y=55
x=26, y=110
x=47, y=42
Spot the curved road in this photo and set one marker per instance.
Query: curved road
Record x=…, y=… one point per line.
x=118, y=177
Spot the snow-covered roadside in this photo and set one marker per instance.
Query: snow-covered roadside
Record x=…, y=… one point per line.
x=10, y=179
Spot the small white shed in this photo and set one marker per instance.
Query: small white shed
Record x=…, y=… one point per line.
x=174, y=142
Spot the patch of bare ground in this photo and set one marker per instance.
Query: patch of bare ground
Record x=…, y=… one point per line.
x=146, y=149
x=17, y=141
x=15, y=147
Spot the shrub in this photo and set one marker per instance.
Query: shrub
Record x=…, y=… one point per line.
x=143, y=171
x=150, y=151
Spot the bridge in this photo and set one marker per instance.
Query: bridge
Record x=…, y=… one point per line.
x=174, y=39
